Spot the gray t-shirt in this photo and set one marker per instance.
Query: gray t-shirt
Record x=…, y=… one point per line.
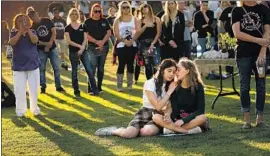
x=25, y=53
x=188, y=17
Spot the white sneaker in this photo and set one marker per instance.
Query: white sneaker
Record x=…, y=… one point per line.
x=167, y=131
x=20, y=114
x=195, y=130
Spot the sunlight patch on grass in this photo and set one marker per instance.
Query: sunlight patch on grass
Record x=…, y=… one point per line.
x=235, y=97
x=224, y=118
x=70, y=100
x=48, y=100
x=108, y=104
x=65, y=78
x=123, y=95
x=260, y=145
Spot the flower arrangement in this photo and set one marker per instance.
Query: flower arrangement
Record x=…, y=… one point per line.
x=227, y=44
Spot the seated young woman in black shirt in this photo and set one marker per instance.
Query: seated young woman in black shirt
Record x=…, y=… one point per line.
x=187, y=102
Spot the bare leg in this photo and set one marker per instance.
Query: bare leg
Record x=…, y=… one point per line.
x=259, y=119
x=149, y=130
x=158, y=119
x=247, y=117
x=198, y=121
x=129, y=132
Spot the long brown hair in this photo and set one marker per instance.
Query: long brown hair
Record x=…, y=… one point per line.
x=194, y=76
x=142, y=16
x=159, y=76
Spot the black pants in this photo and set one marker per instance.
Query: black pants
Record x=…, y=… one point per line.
x=173, y=53
x=186, y=48
x=126, y=56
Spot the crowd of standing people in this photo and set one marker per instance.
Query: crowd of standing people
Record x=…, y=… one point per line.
x=155, y=42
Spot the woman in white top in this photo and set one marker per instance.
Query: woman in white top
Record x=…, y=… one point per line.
x=124, y=28
x=156, y=94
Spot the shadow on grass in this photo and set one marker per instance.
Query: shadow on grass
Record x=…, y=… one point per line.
x=65, y=137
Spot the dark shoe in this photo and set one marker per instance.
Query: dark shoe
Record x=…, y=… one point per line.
x=100, y=90
x=246, y=126
x=60, y=89
x=77, y=95
x=43, y=91
x=262, y=125
x=64, y=66
x=94, y=93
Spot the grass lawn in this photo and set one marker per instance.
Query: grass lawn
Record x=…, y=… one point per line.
x=66, y=125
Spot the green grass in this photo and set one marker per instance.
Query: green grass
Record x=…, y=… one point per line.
x=66, y=126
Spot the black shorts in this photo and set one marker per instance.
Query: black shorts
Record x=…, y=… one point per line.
x=143, y=117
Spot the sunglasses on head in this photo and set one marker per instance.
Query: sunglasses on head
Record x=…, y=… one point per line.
x=125, y=7
x=97, y=11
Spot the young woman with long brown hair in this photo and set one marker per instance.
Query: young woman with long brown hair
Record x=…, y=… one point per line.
x=187, y=102
x=156, y=94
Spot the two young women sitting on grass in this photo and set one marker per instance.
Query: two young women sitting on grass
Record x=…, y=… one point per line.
x=173, y=100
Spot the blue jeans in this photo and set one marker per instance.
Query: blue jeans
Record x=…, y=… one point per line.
x=74, y=59
x=245, y=66
x=54, y=60
x=203, y=41
x=112, y=39
x=97, y=62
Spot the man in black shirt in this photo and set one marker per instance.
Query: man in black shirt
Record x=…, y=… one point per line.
x=47, y=49
x=60, y=24
x=225, y=18
x=248, y=23
x=203, y=23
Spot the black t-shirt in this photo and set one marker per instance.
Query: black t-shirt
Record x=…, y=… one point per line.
x=199, y=21
x=44, y=32
x=111, y=21
x=182, y=100
x=76, y=35
x=97, y=29
x=225, y=17
x=260, y=15
x=60, y=25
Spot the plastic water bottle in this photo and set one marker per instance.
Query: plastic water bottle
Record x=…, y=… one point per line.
x=260, y=69
x=199, y=51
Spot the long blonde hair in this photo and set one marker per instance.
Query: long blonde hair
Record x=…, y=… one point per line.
x=69, y=14
x=194, y=76
x=119, y=13
x=169, y=14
